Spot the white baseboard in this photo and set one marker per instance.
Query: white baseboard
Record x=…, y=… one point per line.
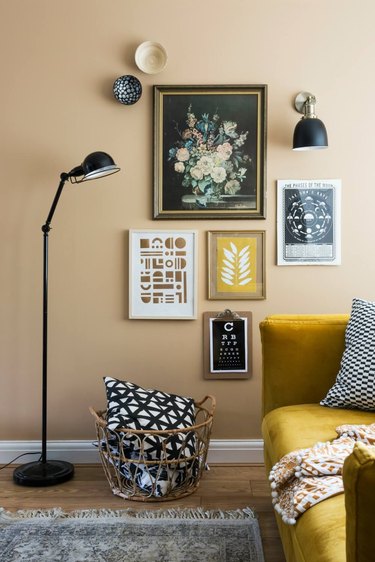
x=221, y=451
x=226, y=451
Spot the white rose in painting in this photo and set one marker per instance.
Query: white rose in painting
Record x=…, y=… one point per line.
x=196, y=173
x=205, y=164
x=218, y=174
x=228, y=166
x=179, y=167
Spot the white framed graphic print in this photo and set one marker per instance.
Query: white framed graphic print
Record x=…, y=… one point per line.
x=163, y=274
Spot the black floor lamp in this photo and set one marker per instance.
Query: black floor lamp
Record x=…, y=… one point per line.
x=43, y=472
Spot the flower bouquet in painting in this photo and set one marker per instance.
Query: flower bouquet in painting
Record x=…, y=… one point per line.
x=209, y=159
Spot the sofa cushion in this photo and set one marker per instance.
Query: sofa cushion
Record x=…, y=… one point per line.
x=359, y=481
x=355, y=382
x=297, y=427
x=319, y=534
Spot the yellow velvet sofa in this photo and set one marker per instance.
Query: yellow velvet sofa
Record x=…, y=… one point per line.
x=301, y=358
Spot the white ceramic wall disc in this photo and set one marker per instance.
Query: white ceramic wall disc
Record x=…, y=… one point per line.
x=151, y=57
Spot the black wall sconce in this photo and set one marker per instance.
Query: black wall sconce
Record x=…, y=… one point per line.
x=310, y=132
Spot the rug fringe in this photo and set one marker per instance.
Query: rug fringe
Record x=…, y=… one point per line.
x=175, y=513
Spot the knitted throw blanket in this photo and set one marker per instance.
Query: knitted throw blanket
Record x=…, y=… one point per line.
x=306, y=477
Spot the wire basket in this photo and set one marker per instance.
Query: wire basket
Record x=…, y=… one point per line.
x=133, y=475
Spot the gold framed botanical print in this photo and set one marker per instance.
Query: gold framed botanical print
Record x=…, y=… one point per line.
x=210, y=151
x=236, y=265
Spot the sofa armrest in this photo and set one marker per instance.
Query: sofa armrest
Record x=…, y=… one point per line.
x=301, y=357
x=359, y=485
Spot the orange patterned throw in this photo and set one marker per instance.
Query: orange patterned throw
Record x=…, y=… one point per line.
x=306, y=477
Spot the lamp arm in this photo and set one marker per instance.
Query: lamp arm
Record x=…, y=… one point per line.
x=63, y=178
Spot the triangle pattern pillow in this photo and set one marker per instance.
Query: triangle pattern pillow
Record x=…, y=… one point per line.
x=355, y=383
x=131, y=406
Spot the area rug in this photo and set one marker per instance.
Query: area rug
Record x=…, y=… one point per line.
x=174, y=535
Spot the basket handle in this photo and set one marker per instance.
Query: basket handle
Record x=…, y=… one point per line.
x=212, y=406
x=99, y=420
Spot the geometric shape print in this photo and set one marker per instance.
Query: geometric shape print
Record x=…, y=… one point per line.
x=163, y=277
x=355, y=383
x=236, y=264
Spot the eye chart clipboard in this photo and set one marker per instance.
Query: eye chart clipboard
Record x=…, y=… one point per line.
x=227, y=345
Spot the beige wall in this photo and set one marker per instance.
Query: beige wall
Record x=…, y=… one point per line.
x=59, y=61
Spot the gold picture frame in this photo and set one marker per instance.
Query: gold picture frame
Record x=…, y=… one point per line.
x=210, y=152
x=236, y=265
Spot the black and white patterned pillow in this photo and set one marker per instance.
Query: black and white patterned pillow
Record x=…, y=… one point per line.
x=159, y=480
x=355, y=383
x=156, y=479
x=133, y=407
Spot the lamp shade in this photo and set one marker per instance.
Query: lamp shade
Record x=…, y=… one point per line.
x=95, y=165
x=310, y=134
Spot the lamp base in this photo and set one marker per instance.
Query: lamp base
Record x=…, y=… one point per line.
x=43, y=474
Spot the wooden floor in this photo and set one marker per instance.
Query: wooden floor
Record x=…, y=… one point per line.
x=222, y=487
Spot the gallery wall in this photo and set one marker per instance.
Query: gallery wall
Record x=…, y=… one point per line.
x=58, y=63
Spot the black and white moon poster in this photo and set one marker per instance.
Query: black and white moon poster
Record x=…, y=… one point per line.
x=309, y=222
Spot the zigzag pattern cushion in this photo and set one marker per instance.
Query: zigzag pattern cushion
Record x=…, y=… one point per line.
x=355, y=383
x=133, y=407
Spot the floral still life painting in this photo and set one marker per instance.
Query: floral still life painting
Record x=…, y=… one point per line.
x=236, y=265
x=209, y=159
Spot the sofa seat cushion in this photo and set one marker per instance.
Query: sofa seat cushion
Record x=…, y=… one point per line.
x=297, y=427
x=319, y=534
